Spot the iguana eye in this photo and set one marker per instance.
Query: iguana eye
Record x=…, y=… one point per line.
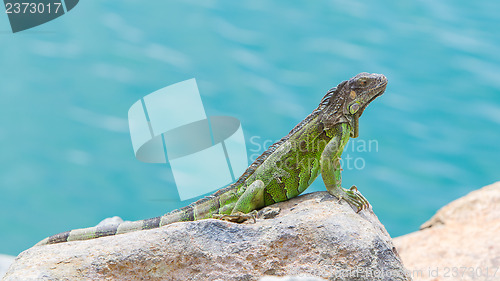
x=353, y=108
x=362, y=82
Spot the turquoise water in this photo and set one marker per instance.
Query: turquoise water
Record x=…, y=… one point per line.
x=66, y=86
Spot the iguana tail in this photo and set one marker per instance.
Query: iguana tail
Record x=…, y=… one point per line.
x=101, y=231
x=201, y=209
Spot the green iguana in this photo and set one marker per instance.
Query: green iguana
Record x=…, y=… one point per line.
x=282, y=172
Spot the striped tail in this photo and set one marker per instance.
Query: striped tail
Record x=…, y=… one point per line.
x=101, y=231
x=201, y=209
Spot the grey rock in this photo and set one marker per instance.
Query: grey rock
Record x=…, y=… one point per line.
x=291, y=278
x=269, y=212
x=111, y=220
x=313, y=235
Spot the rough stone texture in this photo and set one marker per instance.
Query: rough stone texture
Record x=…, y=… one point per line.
x=312, y=235
x=460, y=242
x=291, y=278
x=5, y=262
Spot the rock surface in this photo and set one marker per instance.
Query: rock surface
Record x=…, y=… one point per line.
x=312, y=235
x=5, y=262
x=111, y=220
x=291, y=278
x=460, y=242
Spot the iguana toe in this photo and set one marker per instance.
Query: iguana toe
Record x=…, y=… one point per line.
x=354, y=197
x=238, y=217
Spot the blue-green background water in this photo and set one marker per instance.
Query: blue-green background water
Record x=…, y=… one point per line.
x=66, y=86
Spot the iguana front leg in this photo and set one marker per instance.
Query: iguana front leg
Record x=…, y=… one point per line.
x=246, y=206
x=331, y=173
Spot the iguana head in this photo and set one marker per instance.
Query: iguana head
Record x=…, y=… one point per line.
x=360, y=91
x=349, y=99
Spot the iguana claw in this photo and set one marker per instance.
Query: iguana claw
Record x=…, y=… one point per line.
x=238, y=217
x=354, y=197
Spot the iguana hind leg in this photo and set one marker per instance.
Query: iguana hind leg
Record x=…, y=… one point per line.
x=247, y=205
x=238, y=217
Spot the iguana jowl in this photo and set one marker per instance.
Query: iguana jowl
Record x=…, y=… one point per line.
x=283, y=171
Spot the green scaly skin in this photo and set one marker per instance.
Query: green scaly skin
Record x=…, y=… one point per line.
x=282, y=172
